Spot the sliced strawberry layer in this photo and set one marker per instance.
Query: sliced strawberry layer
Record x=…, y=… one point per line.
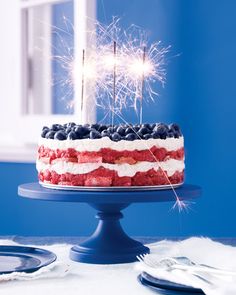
x=106, y=177
x=106, y=155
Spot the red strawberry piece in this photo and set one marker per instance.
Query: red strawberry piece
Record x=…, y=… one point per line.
x=125, y=160
x=47, y=175
x=89, y=159
x=98, y=181
x=122, y=181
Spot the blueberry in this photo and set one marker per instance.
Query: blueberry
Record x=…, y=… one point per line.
x=174, y=127
x=95, y=126
x=71, y=124
x=115, y=136
x=110, y=130
x=68, y=130
x=50, y=134
x=155, y=135
x=131, y=136
x=162, y=129
x=72, y=135
x=152, y=126
x=136, y=128
x=170, y=134
x=45, y=128
x=121, y=130
x=81, y=131
x=44, y=132
x=147, y=136
x=129, y=130
x=56, y=127
x=144, y=130
x=139, y=135
x=146, y=125
x=94, y=134
x=105, y=133
x=102, y=127
x=60, y=135
x=177, y=134
x=163, y=136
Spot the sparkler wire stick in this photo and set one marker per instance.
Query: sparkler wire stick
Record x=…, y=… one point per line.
x=82, y=84
x=178, y=202
x=114, y=82
x=142, y=87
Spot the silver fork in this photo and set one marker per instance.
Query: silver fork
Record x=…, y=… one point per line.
x=149, y=261
x=182, y=263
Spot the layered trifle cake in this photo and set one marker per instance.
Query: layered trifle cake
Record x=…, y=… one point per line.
x=106, y=155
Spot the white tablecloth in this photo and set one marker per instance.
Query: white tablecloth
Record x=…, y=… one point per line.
x=67, y=277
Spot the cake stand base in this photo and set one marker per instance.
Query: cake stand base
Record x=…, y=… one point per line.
x=109, y=243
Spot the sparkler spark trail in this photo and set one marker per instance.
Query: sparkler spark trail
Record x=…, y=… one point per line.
x=134, y=62
x=121, y=78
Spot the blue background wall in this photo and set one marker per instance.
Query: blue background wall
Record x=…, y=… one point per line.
x=200, y=95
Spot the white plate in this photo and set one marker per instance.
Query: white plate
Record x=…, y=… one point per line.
x=109, y=188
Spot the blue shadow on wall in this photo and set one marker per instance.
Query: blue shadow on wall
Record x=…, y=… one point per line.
x=199, y=95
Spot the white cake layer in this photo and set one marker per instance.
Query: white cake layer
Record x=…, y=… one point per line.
x=93, y=145
x=60, y=167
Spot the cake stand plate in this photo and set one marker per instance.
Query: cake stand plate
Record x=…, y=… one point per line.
x=110, y=188
x=109, y=244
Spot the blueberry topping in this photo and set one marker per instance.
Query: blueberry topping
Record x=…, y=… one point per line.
x=177, y=134
x=144, y=130
x=94, y=134
x=171, y=134
x=174, y=127
x=121, y=130
x=71, y=124
x=152, y=126
x=50, y=134
x=155, y=135
x=129, y=130
x=110, y=130
x=68, y=130
x=81, y=131
x=102, y=127
x=131, y=136
x=163, y=136
x=56, y=127
x=147, y=136
x=60, y=135
x=44, y=132
x=139, y=135
x=95, y=126
x=72, y=135
x=162, y=129
x=146, y=125
x=105, y=133
x=114, y=132
x=115, y=136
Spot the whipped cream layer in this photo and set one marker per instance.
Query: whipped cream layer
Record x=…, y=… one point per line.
x=170, y=166
x=94, y=145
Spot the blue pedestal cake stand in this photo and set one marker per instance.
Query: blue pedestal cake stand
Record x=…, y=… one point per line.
x=109, y=244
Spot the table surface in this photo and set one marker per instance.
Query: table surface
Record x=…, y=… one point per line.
x=83, y=278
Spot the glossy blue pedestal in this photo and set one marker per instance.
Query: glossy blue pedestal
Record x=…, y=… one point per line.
x=109, y=244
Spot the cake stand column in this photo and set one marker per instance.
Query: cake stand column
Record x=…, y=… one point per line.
x=109, y=243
